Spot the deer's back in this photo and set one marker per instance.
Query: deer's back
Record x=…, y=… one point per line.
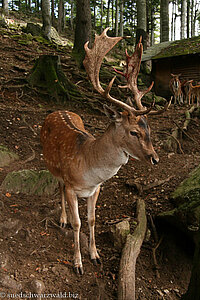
x=62, y=136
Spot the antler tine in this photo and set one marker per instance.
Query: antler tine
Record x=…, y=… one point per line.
x=92, y=63
x=158, y=112
x=131, y=73
x=132, y=70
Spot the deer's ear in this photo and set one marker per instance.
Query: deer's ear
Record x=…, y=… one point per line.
x=112, y=113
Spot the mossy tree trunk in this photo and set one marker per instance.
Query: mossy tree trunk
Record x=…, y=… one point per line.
x=47, y=74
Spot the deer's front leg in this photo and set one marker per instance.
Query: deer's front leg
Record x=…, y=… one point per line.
x=76, y=224
x=91, y=203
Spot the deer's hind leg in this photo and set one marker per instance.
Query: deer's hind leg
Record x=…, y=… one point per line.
x=63, y=216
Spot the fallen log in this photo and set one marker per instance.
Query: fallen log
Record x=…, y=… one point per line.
x=130, y=252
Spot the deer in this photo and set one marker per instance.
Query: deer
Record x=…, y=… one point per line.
x=81, y=162
x=194, y=91
x=175, y=87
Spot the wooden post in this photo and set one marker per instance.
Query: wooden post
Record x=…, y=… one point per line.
x=131, y=250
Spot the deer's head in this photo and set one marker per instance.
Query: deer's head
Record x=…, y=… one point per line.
x=131, y=129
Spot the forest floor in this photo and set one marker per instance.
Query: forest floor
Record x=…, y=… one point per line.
x=40, y=249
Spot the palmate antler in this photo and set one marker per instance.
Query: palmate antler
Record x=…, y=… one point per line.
x=93, y=60
x=132, y=69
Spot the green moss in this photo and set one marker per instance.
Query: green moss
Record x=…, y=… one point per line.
x=182, y=47
x=30, y=182
x=42, y=40
x=190, y=186
x=6, y=156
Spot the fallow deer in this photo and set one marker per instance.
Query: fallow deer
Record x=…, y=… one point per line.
x=175, y=87
x=194, y=92
x=81, y=162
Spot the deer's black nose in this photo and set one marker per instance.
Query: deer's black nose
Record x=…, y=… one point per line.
x=154, y=161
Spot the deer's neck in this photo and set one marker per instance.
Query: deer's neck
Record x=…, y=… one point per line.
x=104, y=157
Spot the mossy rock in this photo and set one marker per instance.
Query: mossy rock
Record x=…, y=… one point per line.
x=36, y=31
x=7, y=156
x=3, y=22
x=186, y=198
x=158, y=99
x=189, y=188
x=41, y=39
x=30, y=182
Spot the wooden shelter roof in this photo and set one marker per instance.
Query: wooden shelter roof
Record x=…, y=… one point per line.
x=171, y=49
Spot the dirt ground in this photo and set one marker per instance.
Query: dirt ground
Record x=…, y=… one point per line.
x=39, y=249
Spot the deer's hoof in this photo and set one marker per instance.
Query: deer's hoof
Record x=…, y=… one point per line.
x=63, y=221
x=96, y=261
x=78, y=270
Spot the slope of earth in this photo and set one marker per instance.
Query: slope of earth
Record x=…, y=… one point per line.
x=39, y=249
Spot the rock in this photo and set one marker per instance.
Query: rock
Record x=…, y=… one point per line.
x=189, y=188
x=119, y=232
x=37, y=286
x=36, y=30
x=10, y=228
x=10, y=283
x=30, y=182
x=4, y=260
x=186, y=199
x=62, y=270
x=158, y=99
x=6, y=156
x=3, y=23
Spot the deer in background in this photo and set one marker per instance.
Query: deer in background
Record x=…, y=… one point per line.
x=81, y=162
x=194, y=92
x=175, y=87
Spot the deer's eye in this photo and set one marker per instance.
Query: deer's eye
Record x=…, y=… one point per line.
x=134, y=133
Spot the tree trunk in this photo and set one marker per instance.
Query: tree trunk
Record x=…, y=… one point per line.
x=53, y=13
x=116, y=17
x=108, y=14
x=164, y=20
x=152, y=28
x=5, y=7
x=195, y=16
x=121, y=27
x=131, y=250
x=61, y=16
x=188, y=18
x=112, y=14
x=71, y=14
x=46, y=18
x=29, y=5
x=183, y=18
x=141, y=22
x=94, y=17
x=101, y=15
x=83, y=29
x=47, y=74
x=192, y=16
